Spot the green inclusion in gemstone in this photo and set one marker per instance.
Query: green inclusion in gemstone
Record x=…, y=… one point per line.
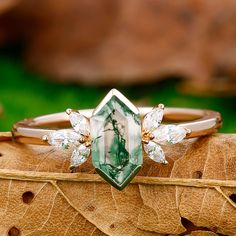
x=116, y=139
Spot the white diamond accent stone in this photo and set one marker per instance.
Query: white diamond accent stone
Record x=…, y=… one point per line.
x=80, y=155
x=169, y=134
x=79, y=123
x=155, y=152
x=153, y=119
x=161, y=134
x=63, y=138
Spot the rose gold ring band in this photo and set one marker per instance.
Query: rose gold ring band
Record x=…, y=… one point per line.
x=199, y=122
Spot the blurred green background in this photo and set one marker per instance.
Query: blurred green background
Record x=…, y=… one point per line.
x=24, y=95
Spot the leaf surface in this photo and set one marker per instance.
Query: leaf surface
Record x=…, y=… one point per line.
x=193, y=195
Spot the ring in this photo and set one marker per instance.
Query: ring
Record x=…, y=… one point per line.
x=116, y=134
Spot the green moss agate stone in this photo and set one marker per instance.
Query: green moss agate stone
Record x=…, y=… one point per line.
x=116, y=139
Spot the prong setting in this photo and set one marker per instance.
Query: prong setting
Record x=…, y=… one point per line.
x=189, y=131
x=88, y=144
x=161, y=106
x=165, y=162
x=45, y=138
x=82, y=140
x=72, y=169
x=68, y=111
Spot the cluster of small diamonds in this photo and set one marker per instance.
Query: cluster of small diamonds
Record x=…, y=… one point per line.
x=156, y=134
x=77, y=138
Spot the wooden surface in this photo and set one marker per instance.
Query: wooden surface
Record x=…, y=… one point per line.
x=194, y=195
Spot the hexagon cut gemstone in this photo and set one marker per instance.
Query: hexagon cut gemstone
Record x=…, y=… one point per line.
x=116, y=139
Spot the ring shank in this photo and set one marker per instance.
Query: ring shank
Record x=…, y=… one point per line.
x=199, y=122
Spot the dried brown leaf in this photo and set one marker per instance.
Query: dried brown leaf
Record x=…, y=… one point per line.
x=193, y=195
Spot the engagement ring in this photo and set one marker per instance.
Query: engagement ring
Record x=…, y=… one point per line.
x=117, y=133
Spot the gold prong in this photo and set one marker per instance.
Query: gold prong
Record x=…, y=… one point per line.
x=68, y=111
x=165, y=162
x=45, y=138
x=82, y=140
x=88, y=144
x=72, y=169
x=145, y=141
x=161, y=106
x=189, y=131
x=145, y=132
x=151, y=136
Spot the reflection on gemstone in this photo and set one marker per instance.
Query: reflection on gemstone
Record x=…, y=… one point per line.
x=63, y=138
x=79, y=123
x=155, y=152
x=79, y=155
x=153, y=119
x=116, y=139
x=169, y=134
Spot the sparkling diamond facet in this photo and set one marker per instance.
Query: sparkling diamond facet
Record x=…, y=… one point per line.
x=116, y=139
x=80, y=155
x=155, y=152
x=161, y=134
x=63, y=138
x=153, y=119
x=79, y=123
x=171, y=134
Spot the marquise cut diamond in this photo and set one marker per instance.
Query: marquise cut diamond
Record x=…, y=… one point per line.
x=63, y=138
x=78, y=138
x=79, y=123
x=156, y=134
x=155, y=152
x=80, y=155
x=153, y=119
x=169, y=134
